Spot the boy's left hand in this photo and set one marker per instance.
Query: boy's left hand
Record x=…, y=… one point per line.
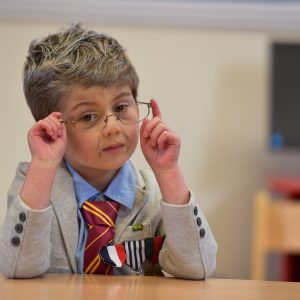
x=160, y=145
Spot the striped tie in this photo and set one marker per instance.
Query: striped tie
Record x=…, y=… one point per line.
x=100, y=217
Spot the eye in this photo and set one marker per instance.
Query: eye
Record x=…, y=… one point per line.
x=89, y=117
x=121, y=108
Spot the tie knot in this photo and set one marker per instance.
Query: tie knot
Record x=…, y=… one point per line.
x=100, y=212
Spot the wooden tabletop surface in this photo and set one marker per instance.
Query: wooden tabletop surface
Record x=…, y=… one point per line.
x=73, y=287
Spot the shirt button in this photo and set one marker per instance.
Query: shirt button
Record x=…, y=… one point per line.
x=195, y=210
x=15, y=241
x=19, y=228
x=202, y=233
x=199, y=222
x=22, y=217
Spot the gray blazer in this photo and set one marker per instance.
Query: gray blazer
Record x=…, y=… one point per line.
x=34, y=242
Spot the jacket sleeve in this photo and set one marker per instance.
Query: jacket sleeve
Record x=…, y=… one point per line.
x=25, y=235
x=189, y=250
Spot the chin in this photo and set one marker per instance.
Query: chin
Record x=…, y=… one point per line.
x=112, y=165
x=113, y=162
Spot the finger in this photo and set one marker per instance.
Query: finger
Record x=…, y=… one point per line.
x=155, y=109
x=167, y=138
x=151, y=124
x=43, y=129
x=54, y=120
x=59, y=132
x=48, y=128
x=62, y=131
x=142, y=128
x=55, y=117
x=156, y=132
x=144, y=138
x=56, y=114
x=55, y=125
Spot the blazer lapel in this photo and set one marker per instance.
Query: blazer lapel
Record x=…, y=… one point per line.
x=126, y=216
x=64, y=204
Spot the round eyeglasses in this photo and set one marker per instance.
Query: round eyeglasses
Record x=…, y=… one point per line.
x=127, y=114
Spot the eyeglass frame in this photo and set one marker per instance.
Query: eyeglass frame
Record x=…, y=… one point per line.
x=73, y=122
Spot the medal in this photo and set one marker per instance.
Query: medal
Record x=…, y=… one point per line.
x=138, y=257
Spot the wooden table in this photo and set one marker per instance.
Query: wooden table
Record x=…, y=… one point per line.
x=73, y=287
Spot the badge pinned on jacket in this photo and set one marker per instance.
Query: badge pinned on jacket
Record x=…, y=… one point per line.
x=140, y=255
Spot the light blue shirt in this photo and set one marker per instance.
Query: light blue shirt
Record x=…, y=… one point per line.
x=121, y=189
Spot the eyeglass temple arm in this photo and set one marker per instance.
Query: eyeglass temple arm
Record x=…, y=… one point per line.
x=66, y=122
x=147, y=103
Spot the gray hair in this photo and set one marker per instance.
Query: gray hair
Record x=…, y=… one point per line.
x=73, y=56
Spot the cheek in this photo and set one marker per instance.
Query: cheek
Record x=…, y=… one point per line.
x=79, y=143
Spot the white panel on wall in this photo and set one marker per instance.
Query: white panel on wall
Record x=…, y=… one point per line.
x=258, y=15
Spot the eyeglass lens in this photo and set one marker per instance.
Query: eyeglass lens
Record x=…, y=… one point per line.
x=126, y=114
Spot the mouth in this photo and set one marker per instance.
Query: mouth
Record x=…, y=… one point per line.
x=113, y=147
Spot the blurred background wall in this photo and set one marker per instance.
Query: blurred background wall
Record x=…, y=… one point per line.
x=212, y=83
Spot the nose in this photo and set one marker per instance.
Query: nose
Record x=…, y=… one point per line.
x=111, y=126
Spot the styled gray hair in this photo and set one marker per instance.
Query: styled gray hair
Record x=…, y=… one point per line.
x=73, y=56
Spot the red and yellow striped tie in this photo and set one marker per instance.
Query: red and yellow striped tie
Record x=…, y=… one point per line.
x=100, y=217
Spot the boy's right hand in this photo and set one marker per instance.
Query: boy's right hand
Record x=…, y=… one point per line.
x=47, y=140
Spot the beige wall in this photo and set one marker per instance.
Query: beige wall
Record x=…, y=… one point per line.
x=212, y=89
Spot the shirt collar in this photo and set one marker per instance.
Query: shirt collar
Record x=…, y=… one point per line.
x=121, y=189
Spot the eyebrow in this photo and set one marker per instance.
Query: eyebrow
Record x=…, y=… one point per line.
x=83, y=103
x=122, y=95
x=88, y=103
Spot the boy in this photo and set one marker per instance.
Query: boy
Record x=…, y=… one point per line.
x=82, y=91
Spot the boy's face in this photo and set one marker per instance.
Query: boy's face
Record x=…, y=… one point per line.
x=106, y=149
